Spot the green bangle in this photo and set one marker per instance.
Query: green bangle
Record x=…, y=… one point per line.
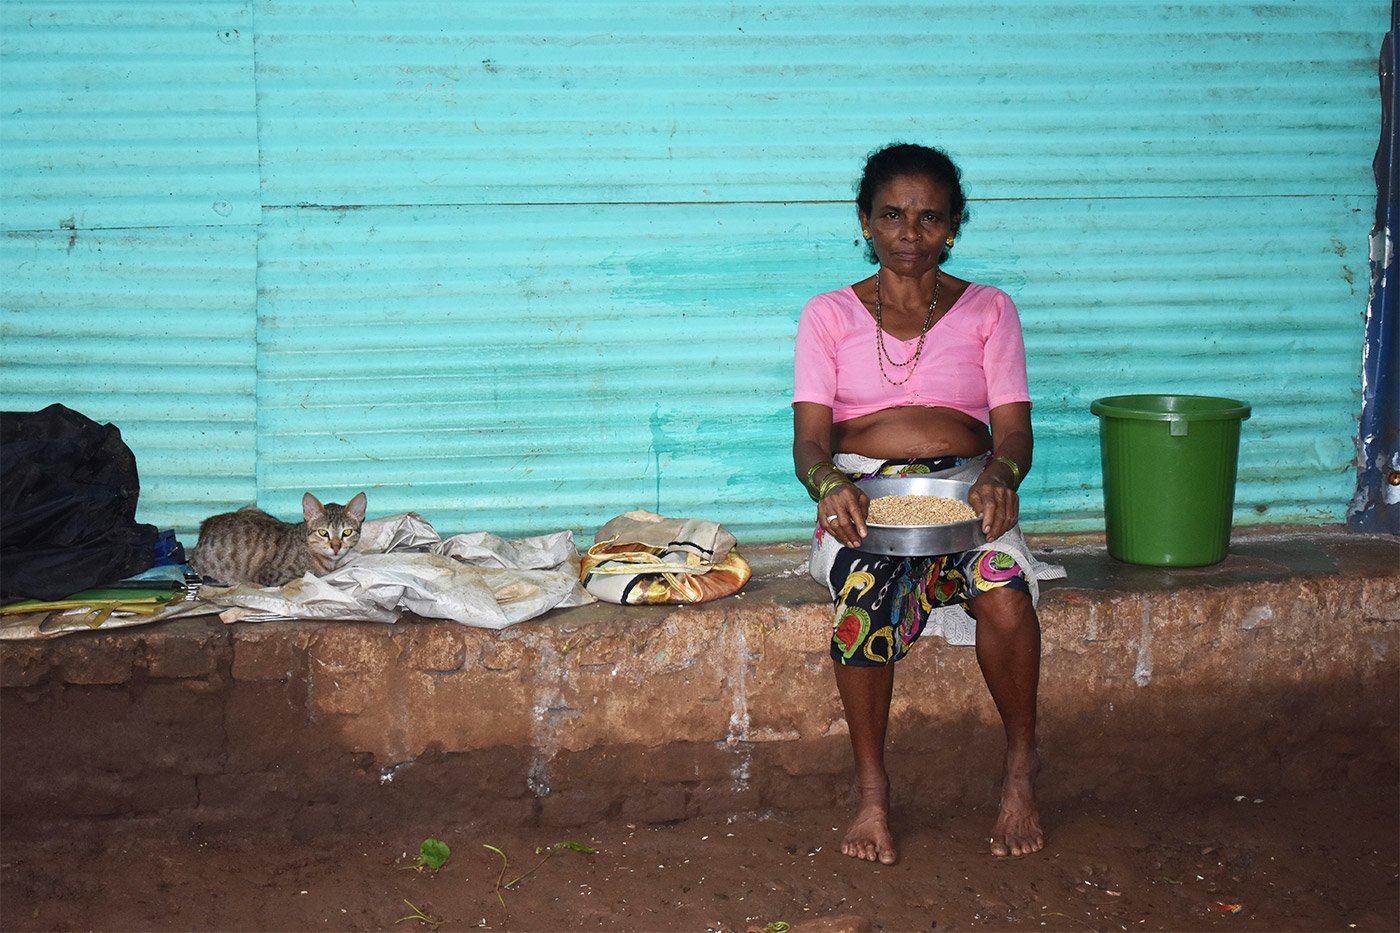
x=811, y=484
x=1010, y=465
x=811, y=473
x=833, y=482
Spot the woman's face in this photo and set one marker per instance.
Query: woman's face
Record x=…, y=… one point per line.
x=909, y=223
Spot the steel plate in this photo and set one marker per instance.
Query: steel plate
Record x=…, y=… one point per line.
x=920, y=540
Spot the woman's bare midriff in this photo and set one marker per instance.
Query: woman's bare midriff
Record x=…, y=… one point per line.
x=911, y=431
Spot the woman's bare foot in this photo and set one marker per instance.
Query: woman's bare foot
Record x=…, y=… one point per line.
x=869, y=837
x=1018, y=831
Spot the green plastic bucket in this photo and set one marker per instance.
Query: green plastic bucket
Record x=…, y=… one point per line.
x=1169, y=476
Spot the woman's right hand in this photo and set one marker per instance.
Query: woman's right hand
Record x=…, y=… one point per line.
x=842, y=513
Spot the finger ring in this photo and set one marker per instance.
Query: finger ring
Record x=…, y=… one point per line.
x=833, y=518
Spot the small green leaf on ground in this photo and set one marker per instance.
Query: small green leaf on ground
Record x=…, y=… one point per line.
x=434, y=853
x=587, y=850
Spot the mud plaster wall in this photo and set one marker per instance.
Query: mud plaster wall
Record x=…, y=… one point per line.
x=658, y=713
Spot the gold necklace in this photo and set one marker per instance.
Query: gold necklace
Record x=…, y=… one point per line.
x=881, y=354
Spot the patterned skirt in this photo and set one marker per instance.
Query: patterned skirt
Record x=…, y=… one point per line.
x=883, y=602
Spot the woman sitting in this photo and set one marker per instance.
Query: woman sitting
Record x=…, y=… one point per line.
x=915, y=371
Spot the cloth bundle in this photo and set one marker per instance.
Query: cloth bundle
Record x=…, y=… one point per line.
x=403, y=565
x=641, y=558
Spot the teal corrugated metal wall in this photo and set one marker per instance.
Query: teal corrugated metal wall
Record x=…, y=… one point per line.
x=523, y=267
x=127, y=114
x=129, y=207
x=152, y=330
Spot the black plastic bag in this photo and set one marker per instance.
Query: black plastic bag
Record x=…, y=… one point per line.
x=68, y=490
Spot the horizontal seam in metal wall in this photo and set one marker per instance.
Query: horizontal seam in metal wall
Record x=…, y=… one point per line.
x=461, y=204
x=1126, y=197
x=66, y=229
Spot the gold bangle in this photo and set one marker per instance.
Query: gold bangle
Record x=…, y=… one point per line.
x=811, y=484
x=831, y=483
x=812, y=471
x=1010, y=465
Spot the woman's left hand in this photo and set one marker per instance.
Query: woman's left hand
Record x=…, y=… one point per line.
x=997, y=503
x=993, y=496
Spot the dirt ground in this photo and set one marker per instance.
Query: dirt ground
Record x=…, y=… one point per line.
x=1323, y=861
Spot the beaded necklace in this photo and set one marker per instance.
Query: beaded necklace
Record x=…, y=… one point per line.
x=881, y=354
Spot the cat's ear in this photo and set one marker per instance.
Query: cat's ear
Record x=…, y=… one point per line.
x=355, y=508
x=311, y=508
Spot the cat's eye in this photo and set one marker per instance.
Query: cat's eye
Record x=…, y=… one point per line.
x=323, y=532
x=349, y=532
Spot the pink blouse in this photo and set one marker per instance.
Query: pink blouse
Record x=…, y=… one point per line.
x=974, y=358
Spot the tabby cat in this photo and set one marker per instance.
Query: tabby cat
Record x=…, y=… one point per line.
x=250, y=546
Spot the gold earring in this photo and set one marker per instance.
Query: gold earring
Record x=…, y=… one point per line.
x=865, y=233
x=949, y=241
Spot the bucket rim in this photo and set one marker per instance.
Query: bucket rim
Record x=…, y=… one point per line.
x=1147, y=406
